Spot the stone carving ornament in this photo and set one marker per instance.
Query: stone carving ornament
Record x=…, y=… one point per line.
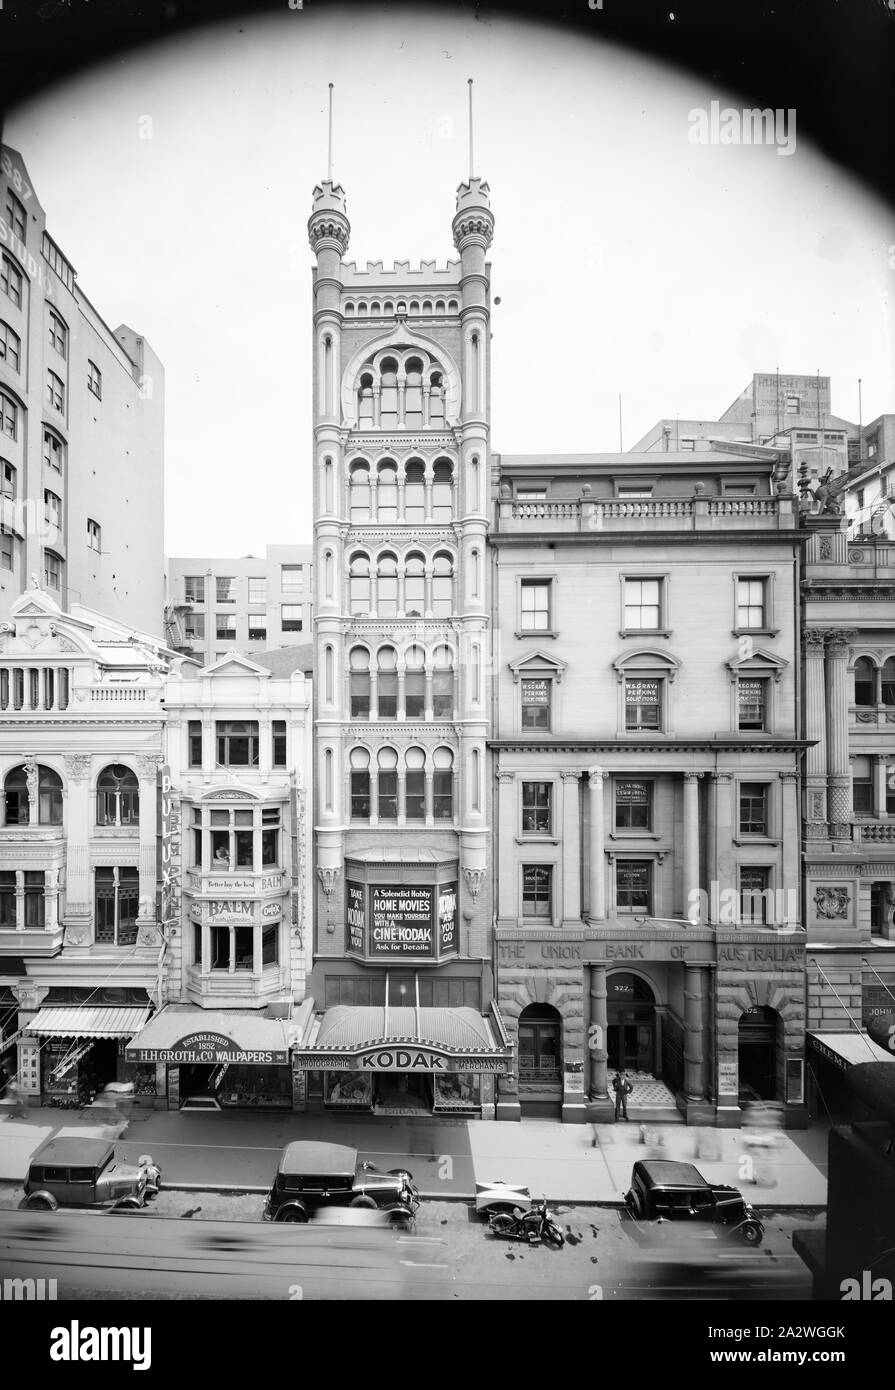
x=77, y=765
x=831, y=903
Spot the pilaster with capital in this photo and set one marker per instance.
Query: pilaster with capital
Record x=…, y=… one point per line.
x=691, y=841
x=147, y=771
x=694, y=1043
x=838, y=775
x=595, y=779
x=816, y=732
x=506, y=832
x=597, y=1034
x=719, y=840
x=571, y=847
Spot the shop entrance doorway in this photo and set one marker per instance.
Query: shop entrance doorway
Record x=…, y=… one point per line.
x=402, y=1093
x=758, y=1054
x=631, y=1014
x=197, y=1087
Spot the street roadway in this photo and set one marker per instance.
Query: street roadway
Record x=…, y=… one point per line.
x=158, y=1254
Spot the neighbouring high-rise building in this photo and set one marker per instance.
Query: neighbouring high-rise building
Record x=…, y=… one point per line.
x=81, y=431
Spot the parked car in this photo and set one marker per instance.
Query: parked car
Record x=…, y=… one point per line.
x=88, y=1173
x=312, y=1175
x=665, y=1190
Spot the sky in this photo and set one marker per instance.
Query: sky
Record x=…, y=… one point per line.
x=627, y=259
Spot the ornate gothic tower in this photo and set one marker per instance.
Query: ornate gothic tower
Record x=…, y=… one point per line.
x=401, y=439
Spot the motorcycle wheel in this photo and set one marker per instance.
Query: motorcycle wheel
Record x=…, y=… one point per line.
x=503, y=1224
x=554, y=1234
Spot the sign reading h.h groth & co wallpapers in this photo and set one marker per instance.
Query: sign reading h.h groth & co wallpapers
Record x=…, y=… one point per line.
x=209, y=1048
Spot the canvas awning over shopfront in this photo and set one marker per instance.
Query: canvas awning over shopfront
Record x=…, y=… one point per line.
x=104, y=1021
x=181, y=1035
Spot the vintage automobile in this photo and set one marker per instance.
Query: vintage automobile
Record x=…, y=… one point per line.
x=313, y=1175
x=88, y=1173
x=665, y=1190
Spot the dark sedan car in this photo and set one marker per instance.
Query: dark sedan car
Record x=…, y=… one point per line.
x=312, y=1175
x=665, y=1190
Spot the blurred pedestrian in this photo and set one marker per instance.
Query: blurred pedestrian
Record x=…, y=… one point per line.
x=622, y=1088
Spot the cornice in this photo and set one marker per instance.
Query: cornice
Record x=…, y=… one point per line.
x=609, y=536
x=651, y=746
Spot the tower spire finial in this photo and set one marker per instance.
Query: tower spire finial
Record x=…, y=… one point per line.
x=329, y=148
x=469, y=83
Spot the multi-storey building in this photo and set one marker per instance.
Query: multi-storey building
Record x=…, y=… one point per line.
x=81, y=432
x=848, y=616
x=402, y=978
x=646, y=758
x=81, y=719
x=249, y=605
x=236, y=852
x=869, y=499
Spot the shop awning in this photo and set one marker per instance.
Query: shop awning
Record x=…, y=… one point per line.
x=846, y=1050
x=101, y=1022
x=181, y=1035
x=404, y=1039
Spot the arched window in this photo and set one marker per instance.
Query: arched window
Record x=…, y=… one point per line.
x=414, y=492
x=475, y=799
x=388, y=399
x=443, y=684
x=436, y=401
x=387, y=491
x=414, y=683
x=889, y=681
x=359, y=584
x=359, y=492
x=387, y=683
x=328, y=485
x=327, y=576
x=117, y=796
x=360, y=784
x=453, y=306
x=349, y=307
x=475, y=580
x=865, y=681
x=439, y=306
x=328, y=674
x=415, y=785
x=387, y=586
x=442, y=586
x=33, y=795
x=442, y=491
x=427, y=306
x=414, y=586
x=413, y=395
x=443, y=784
x=359, y=681
x=328, y=779
x=365, y=395
x=388, y=784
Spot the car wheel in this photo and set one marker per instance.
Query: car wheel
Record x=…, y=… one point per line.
x=750, y=1233
x=43, y=1201
x=400, y=1217
x=129, y=1203
x=502, y=1224
x=362, y=1201
x=635, y=1205
x=294, y=1214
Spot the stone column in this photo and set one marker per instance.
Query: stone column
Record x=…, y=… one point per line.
x=147, y=771
x=597, y=1035
x=571, y=849
x=597, y=855
x=815, y=730
x=879, y=787
x=694, y=1055
x=505, y=825
x=788, y=919
x=691, y=845
x=78, y=886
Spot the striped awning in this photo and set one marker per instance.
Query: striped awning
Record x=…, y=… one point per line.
x=101, y=1022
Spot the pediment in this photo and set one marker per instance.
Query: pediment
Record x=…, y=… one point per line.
x=646, y=660
x=234, y=664
x=757, y=662
x=538, y=663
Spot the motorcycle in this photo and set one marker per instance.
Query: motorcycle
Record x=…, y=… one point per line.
x=534, y=1225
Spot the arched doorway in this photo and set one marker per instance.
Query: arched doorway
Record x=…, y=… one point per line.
x=758, y=1029
x=540, y=1061
x=631, y=1015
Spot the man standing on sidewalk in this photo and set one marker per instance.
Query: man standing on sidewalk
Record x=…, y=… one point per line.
x=622, y=1088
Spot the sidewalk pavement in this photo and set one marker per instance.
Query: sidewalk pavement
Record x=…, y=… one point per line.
x=239, y=1151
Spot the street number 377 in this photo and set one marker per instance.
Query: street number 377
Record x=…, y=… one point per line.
x=14, y=174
